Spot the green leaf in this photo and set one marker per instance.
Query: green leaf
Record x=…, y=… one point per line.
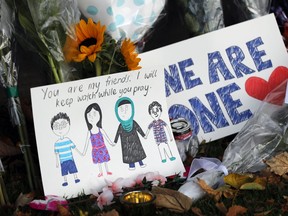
x=257, y=184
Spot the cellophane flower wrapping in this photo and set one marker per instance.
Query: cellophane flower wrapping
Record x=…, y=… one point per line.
x=8, y=70
x=236, y=11
x=41, y=27
x=263, y=136
x=9, y=80
x=202, y=16
x=130, y=19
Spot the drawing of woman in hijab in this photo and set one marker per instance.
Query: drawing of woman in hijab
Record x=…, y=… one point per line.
x=132, y=150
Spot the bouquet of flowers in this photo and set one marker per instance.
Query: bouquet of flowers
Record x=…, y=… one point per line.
x=9, y=81
x=73, y=48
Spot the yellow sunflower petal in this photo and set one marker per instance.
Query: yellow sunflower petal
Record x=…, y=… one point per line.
x=86, y=50
x=79, y=58
x=92, y=57
x=84, y=28
x=85, y=31
x=80, y=35
x=130, y=55
x=95, y=48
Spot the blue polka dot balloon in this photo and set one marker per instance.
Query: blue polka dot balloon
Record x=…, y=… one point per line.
x=123, y=18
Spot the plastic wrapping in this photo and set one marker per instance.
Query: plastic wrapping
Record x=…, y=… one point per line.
x=263, y=136
x=53, y=21
x=236, y=11
x=8, y=71
x=9, y=80
x=203, y=16
x=130, y=19
x=254, y=8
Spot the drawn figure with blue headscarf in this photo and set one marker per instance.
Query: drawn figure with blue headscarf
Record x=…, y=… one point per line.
x=132, y=150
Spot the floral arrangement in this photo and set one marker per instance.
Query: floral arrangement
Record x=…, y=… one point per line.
x=99, y=50
x=73, y=48
x=108, y=194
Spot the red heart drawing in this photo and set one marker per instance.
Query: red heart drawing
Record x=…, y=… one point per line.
x=258, y=88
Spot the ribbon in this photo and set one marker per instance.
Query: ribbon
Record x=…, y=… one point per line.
x=12, y=92
x=206, y=164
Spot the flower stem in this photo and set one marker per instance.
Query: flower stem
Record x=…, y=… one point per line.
x=98, y=67
x=112, y=59
x=57, y=77
x=25, y=148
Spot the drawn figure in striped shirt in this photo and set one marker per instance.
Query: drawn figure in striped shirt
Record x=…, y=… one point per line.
x=160, y=129
x=63, y=147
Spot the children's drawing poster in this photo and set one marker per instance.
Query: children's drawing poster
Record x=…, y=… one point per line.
x=103, y=128
x=217, y=81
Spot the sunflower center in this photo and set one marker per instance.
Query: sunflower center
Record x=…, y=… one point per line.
x=88, y=42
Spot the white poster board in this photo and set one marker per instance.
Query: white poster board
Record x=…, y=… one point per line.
x=216, y=81
x=74, y=157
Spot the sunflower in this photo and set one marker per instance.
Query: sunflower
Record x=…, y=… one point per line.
x=88, y=43
x=130, y=55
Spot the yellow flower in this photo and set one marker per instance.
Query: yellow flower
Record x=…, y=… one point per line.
x=130, y=55
x=90, y=37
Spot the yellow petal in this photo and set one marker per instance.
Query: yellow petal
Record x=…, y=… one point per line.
x=92, y=57
x=79, y=58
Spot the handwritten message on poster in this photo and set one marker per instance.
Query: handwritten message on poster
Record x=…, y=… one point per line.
x=218, y=80
x=103, y=128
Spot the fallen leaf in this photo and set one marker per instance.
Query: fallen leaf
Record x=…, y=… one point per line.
x=279, y=164
x=221, y=207
x=197, y=211
x=228, y=192
x=236, y=210
x=20, y=213
x=63, y=211
x=210, y=191
x=237, y=180
x=110, y=213
x=263, y=213
x=216, y=194
x=171, y=199
x=258, y=184
x=83, y=213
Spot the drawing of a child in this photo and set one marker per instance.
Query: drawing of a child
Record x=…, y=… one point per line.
x=63, y=147
x=158, y=126
x=96, y=135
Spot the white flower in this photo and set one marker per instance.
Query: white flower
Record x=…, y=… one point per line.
x=105, y=198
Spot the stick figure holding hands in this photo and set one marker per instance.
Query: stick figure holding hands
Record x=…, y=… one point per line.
x=96, y=135
x=159, y=126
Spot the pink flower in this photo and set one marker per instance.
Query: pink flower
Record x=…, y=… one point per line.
x=128, y=183
x=105, y=198
x=151, y=176
x=115, y=186
x=160, y=178
x=139, y=179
